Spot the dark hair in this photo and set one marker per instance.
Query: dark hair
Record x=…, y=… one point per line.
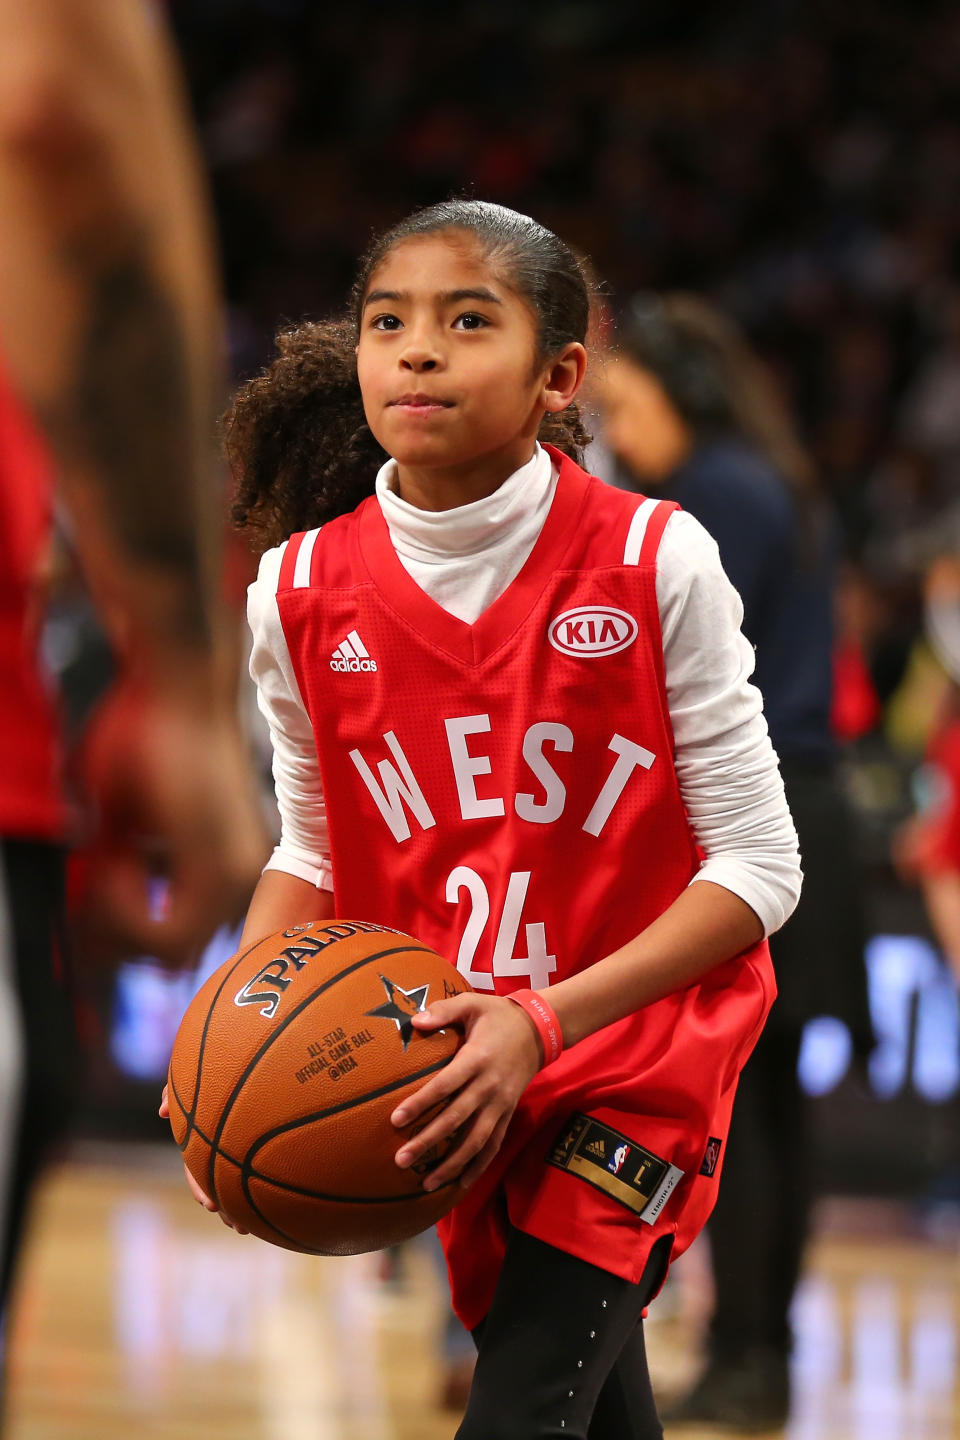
x=296, y=436
x=714, y=379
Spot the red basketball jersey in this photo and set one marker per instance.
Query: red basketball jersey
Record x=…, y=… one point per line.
x=506, y=792
x=31, y=805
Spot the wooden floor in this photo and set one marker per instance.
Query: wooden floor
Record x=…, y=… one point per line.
x=142, y=1317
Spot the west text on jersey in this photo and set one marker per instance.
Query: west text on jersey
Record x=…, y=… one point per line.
x=399, y=796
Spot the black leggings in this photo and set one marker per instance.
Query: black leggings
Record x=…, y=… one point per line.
x=561, y=1353
x=38, y=1073
x=758, y=1228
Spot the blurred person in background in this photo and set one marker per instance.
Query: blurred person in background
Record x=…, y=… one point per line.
x=927, y=848
x=109, y=387
x=690, y=413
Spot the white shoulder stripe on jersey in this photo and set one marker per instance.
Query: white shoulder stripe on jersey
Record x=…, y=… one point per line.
x=301, y=570
x=638, y=529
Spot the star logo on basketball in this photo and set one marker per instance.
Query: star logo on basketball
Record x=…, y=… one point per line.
x=401, y=1006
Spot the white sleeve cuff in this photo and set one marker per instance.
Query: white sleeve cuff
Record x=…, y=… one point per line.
x=772, y=903
x=320, y=875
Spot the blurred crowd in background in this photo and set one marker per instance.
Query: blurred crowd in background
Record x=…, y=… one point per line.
x=799, y=164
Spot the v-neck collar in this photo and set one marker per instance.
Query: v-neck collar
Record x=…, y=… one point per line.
x=474, y=643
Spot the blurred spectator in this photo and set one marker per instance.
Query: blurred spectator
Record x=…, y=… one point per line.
x=690, y=413
x=927, y=849
x=108, y=323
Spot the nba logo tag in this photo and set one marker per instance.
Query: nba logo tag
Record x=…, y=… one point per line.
x=615, y=1163
x=711, y=1155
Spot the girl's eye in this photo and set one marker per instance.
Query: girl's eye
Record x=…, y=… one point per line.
x=470, y=321
x=385, y=322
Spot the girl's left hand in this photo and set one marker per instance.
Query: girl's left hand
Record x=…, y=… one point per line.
x=499, y=1057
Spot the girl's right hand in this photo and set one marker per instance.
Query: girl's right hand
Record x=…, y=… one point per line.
x=201, y=1197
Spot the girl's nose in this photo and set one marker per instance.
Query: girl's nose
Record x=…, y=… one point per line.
x=418, y=363
x=420, y=354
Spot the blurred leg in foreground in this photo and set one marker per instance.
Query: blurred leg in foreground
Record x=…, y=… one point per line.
x=109, y=338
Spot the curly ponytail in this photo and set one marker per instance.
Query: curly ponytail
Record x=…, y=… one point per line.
x=296, y=437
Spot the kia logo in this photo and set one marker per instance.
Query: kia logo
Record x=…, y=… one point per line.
x=593, y=630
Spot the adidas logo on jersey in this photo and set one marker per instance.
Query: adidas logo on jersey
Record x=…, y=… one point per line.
x=351, y=654
x=597, y=1147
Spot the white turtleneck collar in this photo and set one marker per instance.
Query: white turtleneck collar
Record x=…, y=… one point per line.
x=466, y=557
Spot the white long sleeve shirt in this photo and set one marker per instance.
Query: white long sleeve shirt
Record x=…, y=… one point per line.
x=464, y=559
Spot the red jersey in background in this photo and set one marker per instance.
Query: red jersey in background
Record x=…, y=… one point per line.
x=935, y=843
x=31, y=806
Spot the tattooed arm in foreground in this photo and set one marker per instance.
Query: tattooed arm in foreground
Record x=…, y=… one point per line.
x=109, y=327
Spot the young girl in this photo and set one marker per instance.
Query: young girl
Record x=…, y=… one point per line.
x=511, y=715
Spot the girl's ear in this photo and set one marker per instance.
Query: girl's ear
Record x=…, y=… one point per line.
x=564, y=377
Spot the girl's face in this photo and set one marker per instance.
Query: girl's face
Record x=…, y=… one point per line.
x=640, y=422
x=447, y=363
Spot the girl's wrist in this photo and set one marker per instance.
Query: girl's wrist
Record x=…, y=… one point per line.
x=544, y=1020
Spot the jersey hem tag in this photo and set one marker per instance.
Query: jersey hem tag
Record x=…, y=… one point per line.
x=615, y=1164
x=711, y=1155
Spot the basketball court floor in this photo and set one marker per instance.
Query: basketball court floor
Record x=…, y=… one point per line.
x=141, y=1317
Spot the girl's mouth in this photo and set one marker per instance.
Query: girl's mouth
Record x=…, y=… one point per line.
x=419, y=404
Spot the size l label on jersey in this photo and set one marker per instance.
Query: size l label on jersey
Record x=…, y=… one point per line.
x=615, y=1164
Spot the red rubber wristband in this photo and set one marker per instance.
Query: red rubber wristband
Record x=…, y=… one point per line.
x=546, y=1022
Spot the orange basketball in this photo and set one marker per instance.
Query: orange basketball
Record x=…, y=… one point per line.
x=285, y=1071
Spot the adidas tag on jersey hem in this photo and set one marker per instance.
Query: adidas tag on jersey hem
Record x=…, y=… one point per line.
x=611, y=1162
